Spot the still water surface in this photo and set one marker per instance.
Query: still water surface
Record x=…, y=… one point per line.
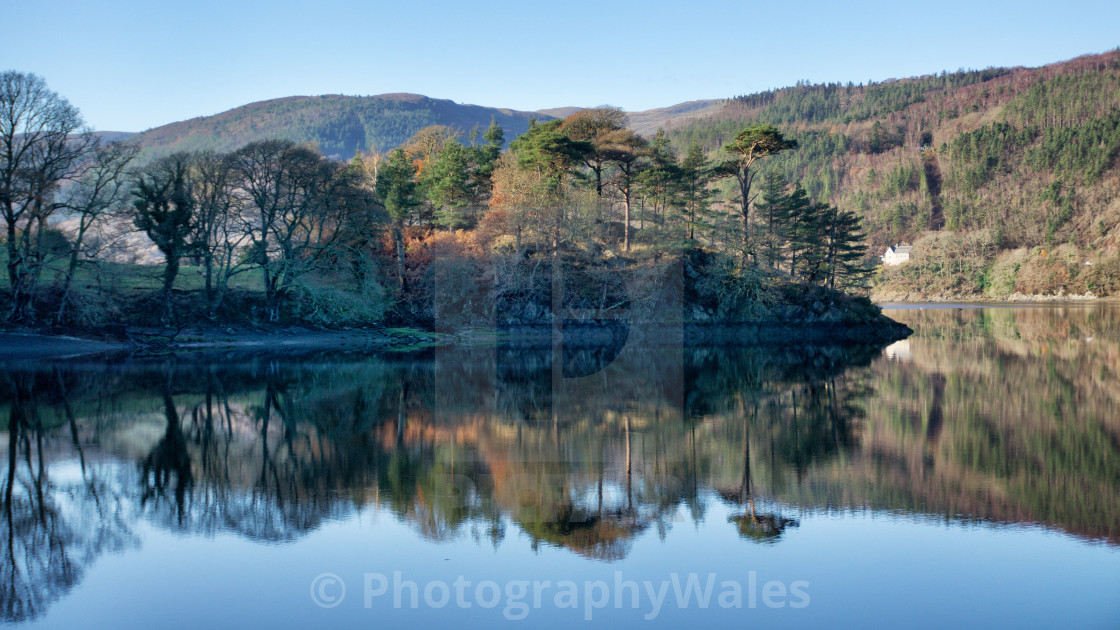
x=968, y=476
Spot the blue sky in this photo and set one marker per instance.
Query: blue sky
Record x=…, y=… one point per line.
x=130, y=65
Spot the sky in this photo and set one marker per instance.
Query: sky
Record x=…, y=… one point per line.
x=130, y=66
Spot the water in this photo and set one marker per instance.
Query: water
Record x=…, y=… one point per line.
x=969, y=475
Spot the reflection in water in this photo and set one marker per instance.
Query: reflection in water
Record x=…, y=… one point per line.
x=53, y=528
x=1002, y=415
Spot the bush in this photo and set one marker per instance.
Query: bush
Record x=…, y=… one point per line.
x=1005, y=273
x=326, y=300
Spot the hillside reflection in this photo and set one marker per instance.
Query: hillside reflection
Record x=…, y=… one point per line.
x=994, y=415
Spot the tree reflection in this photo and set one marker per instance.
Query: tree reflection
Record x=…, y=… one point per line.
x=52, y=530
x=168, y=464
x=477, y=442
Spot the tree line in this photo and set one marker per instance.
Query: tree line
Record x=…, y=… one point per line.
x=331, y=235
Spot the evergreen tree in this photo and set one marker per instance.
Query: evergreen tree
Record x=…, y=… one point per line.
x=593, y=126
x=749, y=146
x=164, y=210
x=771, y=211
x=695, y=196
x=397, y=190
x=627, y=151
x=845, y=253
x=803, y=230
x=485, y=157
x=445, y=184
x=659, y=185
x=545, y=149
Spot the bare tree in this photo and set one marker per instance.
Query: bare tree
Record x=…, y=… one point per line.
x=43, y=142
x=298, y=203
x=217, y=237
x=99, y=192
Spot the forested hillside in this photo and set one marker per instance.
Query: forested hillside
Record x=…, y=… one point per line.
x=339, y=125
x=1005, y=180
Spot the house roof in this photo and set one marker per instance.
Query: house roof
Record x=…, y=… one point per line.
x=903, y=249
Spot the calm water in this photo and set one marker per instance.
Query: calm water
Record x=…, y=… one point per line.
x=969, y=476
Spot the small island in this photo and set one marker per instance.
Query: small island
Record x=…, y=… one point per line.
x=579, y=226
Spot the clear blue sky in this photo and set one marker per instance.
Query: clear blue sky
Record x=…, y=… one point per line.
x=133, y=65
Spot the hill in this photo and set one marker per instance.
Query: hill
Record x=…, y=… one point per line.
x=647, y=122
x=339, y=124
x=990, y=173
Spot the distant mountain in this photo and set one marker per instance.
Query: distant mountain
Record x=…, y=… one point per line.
x=114, y=136
x=559, y=112
x=339, y=124
x=647, y=122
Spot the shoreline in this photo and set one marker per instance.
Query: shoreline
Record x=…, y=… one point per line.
x=25, y=345
x=895, y=305
x=1015, y=299
x=38, y=345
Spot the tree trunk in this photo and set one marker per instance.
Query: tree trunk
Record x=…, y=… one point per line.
x=745, y=188
x=169, y=274
x=398, y=237
x=15, y=275
x=208, y=258
x=71, y=268
x=626, y=223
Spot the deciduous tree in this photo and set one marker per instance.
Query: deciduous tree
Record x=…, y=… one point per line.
x=99, y=193
x=43, y=142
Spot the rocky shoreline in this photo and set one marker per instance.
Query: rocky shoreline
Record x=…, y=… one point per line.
x=32, y=345
x=902, y=297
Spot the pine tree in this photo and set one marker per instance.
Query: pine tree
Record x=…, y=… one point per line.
x=396, y=188
x=846, y=249
x=749, y=146
x=803, y=229
x=695, y=197
x=771, y=211
x=659, y=184
x=485, y=156
x=445, y=184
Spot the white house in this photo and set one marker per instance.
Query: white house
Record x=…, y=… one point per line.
x=899, y=351
x=897, y=255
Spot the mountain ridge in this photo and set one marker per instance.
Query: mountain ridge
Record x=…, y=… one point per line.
x=339, y=124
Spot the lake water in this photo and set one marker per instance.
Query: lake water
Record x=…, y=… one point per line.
x=968, y=476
